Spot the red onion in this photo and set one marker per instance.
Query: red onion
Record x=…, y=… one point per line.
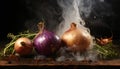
x=46, y=42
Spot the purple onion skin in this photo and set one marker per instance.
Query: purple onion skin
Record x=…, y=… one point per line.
x=46, y=43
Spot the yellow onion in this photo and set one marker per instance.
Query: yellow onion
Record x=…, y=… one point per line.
x=23, y=46
x=103, y=41
x=76, y=39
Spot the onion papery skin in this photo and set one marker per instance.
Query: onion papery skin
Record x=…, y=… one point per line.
x=46, y=43
x=23, y=49
x=76, y=39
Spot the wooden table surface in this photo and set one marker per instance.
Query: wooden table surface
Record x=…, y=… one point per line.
x=35, y=64
x=32, y=62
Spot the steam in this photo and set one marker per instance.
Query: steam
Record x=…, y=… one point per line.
x=72, y=11
x=77, y=10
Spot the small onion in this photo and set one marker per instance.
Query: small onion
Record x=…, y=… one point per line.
x=76, y=39
x=23, y=46
x=45, y=42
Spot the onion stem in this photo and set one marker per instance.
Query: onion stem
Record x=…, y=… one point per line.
x=5, y=49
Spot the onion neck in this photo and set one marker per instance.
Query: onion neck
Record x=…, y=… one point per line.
x=41, y=26
x=73, y=26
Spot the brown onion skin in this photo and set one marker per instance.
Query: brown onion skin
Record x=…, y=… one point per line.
x=23, y=46
x=76, y=39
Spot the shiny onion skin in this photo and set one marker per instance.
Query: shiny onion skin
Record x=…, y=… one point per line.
x=76, y=39
x=23, y=46
x=45, y=42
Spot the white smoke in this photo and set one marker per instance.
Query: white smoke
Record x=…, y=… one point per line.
x=77, y=10
x=72, y=11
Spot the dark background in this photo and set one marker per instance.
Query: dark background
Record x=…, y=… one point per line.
x=15, y=13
